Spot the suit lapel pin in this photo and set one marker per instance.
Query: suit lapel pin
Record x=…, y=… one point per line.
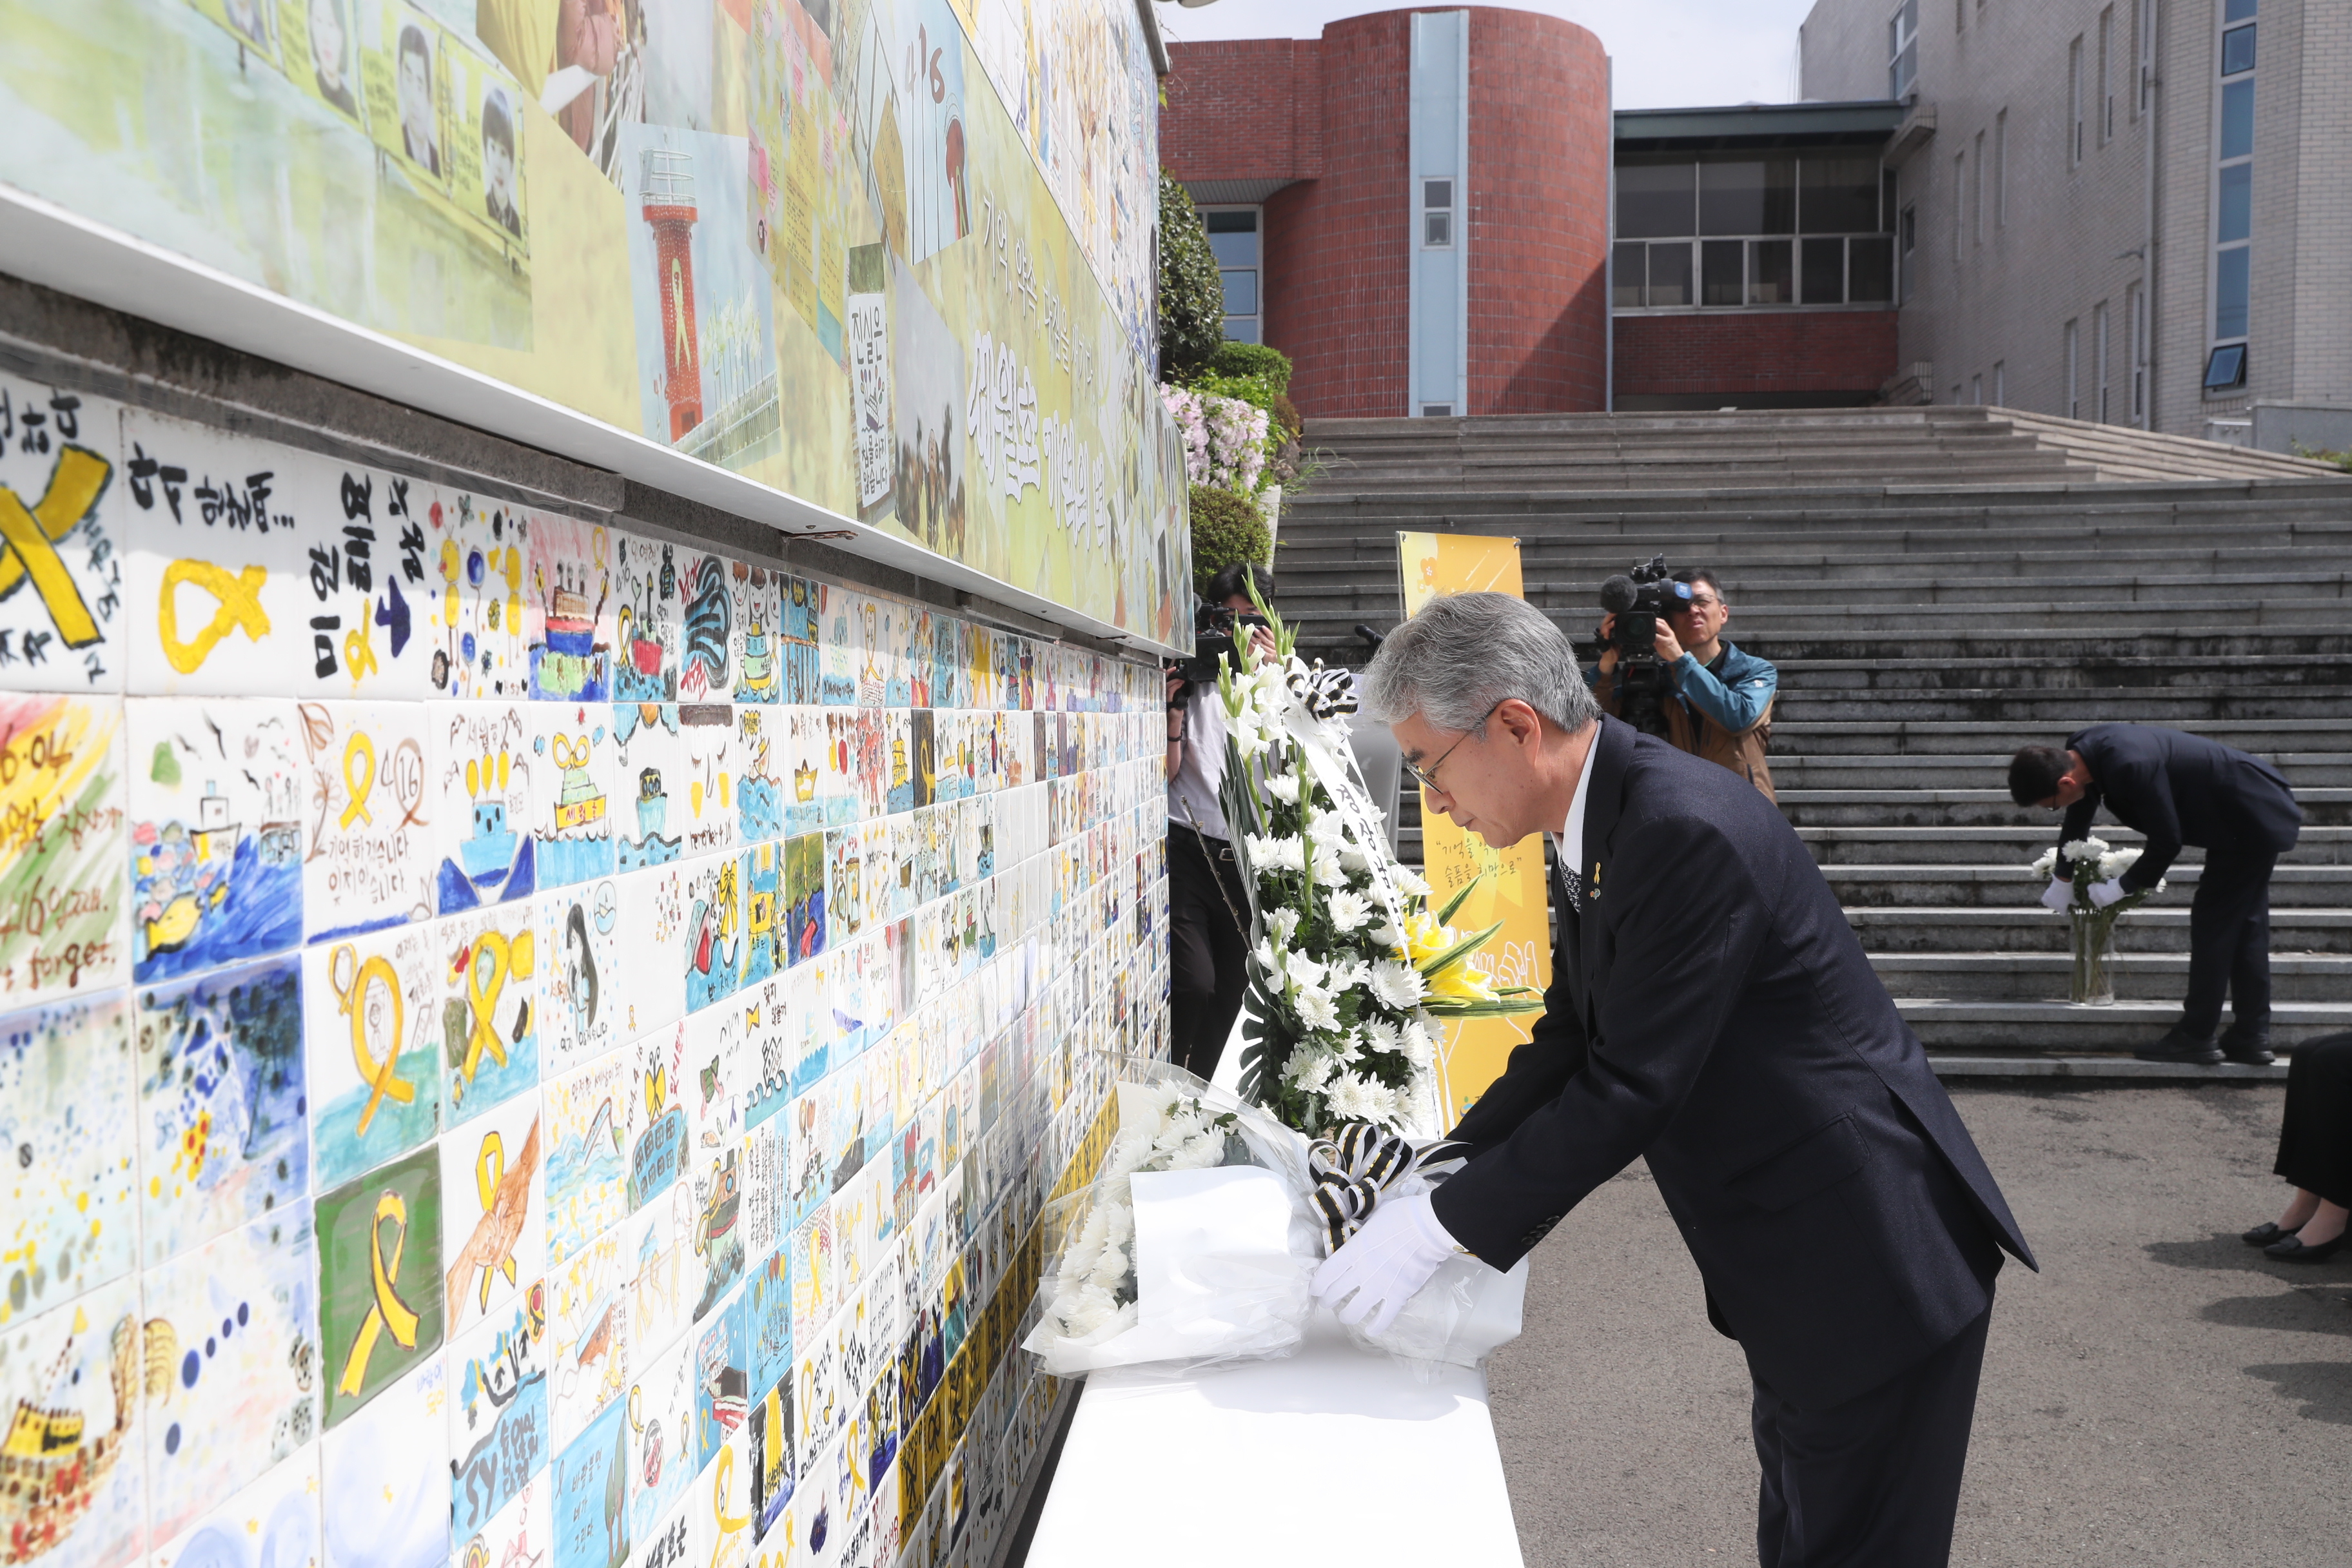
x=1596, y=879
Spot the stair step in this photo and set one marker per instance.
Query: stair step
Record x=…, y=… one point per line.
x=1861, y=846
x=2156, y=927
x=1964, y=771
x=2015, y=887
x=2138, y=977
x=1875, y=740
x=2061, y=1026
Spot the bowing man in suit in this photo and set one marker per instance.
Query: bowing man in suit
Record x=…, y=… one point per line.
x=1711, y=1012
x=2177, y=789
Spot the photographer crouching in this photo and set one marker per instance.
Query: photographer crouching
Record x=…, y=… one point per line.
x=1666, y=670
x=1208, y=907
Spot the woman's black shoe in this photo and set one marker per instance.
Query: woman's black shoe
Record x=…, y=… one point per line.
x=2294, y=1249
x=2264, y=1234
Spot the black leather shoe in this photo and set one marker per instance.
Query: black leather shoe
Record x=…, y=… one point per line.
x=2251, y=1048
x=2294, y=1249
x=2178, y=1045
x=2264, y=1234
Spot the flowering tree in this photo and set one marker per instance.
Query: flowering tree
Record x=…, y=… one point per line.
x=1226, y=440
x=1351, y=974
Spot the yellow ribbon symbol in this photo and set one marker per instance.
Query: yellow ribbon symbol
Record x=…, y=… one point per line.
x=238, y=596
x=358, y=656
x=381, y=1077
x=358, y=749
x=29, y=539
x=390, y=1314
x=502, y=959
x=722, y=1481
x=489, y=1169
x=572, y=754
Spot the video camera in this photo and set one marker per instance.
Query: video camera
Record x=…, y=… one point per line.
x=1213, y=639
x=1637, y=599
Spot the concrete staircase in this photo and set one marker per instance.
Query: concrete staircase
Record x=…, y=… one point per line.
x=1938, y=587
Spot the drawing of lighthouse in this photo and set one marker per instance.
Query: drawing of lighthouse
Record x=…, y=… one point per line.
x=668, y=204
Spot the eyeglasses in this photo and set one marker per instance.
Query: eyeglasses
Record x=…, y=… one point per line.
x=1427, y=777
x=1695, y=604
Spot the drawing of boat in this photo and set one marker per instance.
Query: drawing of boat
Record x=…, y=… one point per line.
x=759, y=663
x=51, y=1470
x=652, y=804
x=571, y=626
x=579, y=805
x=491, y=848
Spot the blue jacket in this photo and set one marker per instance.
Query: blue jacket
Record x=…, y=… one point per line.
x=1734, y=692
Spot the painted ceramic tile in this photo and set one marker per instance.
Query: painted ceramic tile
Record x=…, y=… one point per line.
x=481, y=769
x=521, y=1535
x=647, y=623
x=662, y=1080
x=714, y=930
x=368, y=841
x=233, y=1365
x=650, y=824
x=704, y=790
x=774, y=1467
x=767, y=1075
x=222, y=1090
x=915, y=656
x=946, y=662
x=721, y=1534
x=653, y=946
x=478, y=621
x=64, y=504
x=922, y=764
x=837, y=686
x=73, y=1377
x=765, y=953
x=591, y=1479
x=659, y=1409
x=822, y=1406
x=671, y=1542
x=382, y=1311
x=385, y=1477
x=874, y=638
x=809, y=1153
x=68, y=1111
x=570, y=610
x=64, y=834
x=805, y=896
x=897, y=779
x=722, y=1359
x=838, y=787
x=216, y=793
x=581, y=990
x=813, y=1299
x=768, y=1297
x=766, y=1215
x=574, y=776
x=589, y=1125
x=665, y=1271
x=706, y=607
x=499, y=1421
x=372, y=1035
x=590, y=1342
x=271, y=1524
x=869, y=764
x=494, y=1202
x=763, y=765
x=759, y=638
x=804, y=661
x=879, y=872
x=717, y=1190
x=804, y=802
x=490, y=973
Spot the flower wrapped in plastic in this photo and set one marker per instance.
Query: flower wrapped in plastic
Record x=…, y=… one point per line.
x=1192, y=1246
x=2087, y=863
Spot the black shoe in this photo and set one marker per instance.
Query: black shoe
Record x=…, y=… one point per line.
x=2294, y=1249
x=2179, y=1046
x=2253, y=1047
x=2264, y=1234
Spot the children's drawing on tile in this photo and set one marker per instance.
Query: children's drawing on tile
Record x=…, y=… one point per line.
x=481, y=619
x=499, y=1420
x=837, y=636
x=646, y=625
x=73, y=1377
x=764, y=950
x=763, y=762
x=62, y=576
x=367, y=840
x=705, y=785
x=216, y=794
x=571, y=611
x=804, y=659
x=64, y=833
x=706, y=636
x=490, y=976
x=385, y=1476
x=495, y=1205
x=68, y=1110
x=758, y=643
x=590, y=1122
x=273, y=1522
x=571, y=810
x=647, y=757
x=580, y=937
x=714, y=930
x=659, y=1408
x=588, y=1336
x=482, y=772
x=372, y=1033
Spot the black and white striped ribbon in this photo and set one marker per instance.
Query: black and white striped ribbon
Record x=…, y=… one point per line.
x=1351, y=1172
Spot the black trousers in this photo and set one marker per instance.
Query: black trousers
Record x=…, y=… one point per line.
x=2230, y=945
x=1874, y=1482
x=2315, y=1133
x=1208, y=947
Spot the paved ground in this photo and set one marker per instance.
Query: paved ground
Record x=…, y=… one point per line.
x=2160, y=1394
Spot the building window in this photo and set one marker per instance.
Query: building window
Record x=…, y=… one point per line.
x=1959, y=205
x=2106, y=102
x=1234, y=236
x=2144, y=50
x=2233, y=202
x=2135, y=324
x=2075, y=102
x=2001, y=170
x=1437, y=212
x=1729, y=230
x=1907, y=244
x=1976, y=392
x=1903, y=49
x=2074, y=370
x=1437, y=411
x=2099, y=354
x=1976, y=195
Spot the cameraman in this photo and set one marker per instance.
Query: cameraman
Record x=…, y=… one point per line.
x=1723, y=711
x=1208, y=907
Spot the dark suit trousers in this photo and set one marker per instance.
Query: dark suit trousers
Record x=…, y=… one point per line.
x=1207, y=948
x=2229, y=944
x=1874, y=1482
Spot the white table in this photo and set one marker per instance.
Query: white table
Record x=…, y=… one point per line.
x=1328, y=1453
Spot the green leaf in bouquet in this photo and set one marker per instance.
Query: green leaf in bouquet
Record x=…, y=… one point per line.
x=1447, y=914
x=1463, y=949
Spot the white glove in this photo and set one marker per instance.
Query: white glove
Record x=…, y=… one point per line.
x=1384, y=1263
x=2054, y=897
x=2106, y=893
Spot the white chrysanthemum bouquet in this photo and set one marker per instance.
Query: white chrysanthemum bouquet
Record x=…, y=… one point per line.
x=2089, y=862
x=1350, y=974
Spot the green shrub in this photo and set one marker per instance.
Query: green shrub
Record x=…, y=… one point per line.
x=1226, y=528
x=1192, y=295
x=1253, y=359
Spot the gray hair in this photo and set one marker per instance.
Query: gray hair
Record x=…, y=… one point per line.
x=1464, y=653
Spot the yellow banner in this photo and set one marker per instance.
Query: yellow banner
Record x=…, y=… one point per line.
x=1473, y=1050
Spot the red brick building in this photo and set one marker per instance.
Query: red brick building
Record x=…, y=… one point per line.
x=1416, y=207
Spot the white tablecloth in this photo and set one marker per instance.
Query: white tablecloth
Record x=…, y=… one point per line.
x=1308, y=1459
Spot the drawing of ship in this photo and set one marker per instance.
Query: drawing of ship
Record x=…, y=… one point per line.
x=652, y=804
x=51, y=1470
x=579, y=805
x=491, y=848
x=571, y=626
x=759, y=663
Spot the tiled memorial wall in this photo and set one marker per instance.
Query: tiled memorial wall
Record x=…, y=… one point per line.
x=527, y=1045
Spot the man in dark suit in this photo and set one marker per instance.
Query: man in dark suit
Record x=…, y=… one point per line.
x=2178, y=789
x=1712, y=1012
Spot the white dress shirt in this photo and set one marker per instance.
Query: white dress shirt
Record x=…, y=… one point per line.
x=1193, y=791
